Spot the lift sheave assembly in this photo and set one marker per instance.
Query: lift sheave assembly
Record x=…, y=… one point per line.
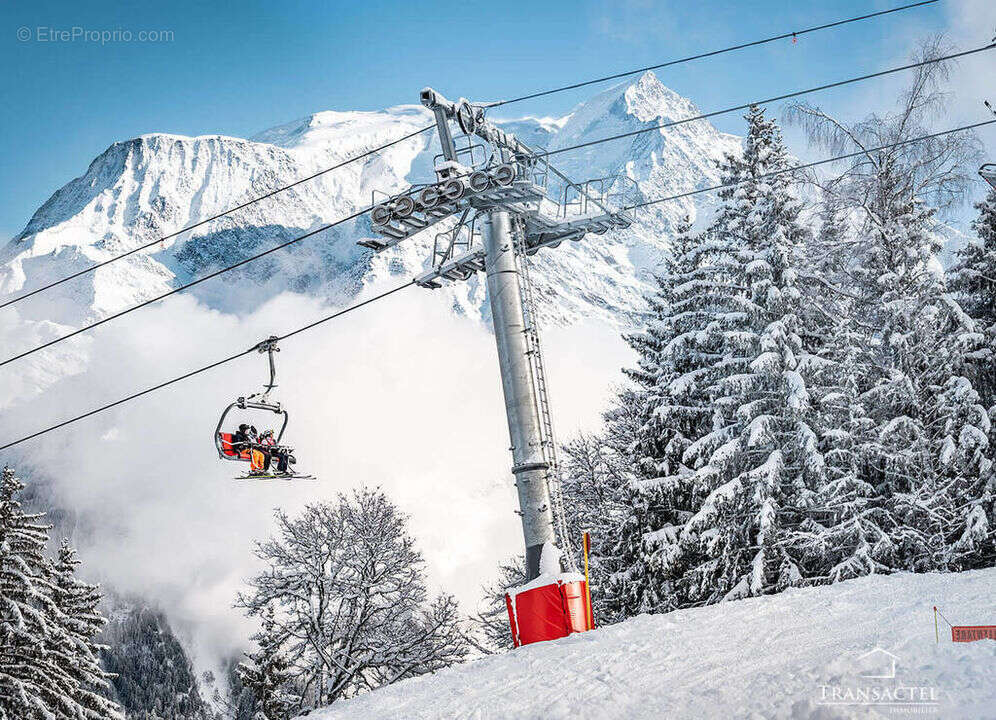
x=268, y=458
x=499, y=202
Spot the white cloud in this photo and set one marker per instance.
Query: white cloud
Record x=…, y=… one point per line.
x=401, y=394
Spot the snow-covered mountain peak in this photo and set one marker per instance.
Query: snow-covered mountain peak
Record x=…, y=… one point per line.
x=649, y=99
x=673, y=158
x=142, y=189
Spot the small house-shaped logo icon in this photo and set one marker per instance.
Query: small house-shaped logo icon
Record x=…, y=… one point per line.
x=878, y=664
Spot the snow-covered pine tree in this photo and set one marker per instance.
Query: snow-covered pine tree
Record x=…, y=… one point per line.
x=841, y=533
x=911, y=334
x=761, y=453
x=651, y=425
x=28, y=679
x=845, y=533
x=969, y=432
x=81, y=621
x=38, y=677
x=973, y=278
x=966, y=471
x=267, y=674
x=907, y=358
x=636, y=583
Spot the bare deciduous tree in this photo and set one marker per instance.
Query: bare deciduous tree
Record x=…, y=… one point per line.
x=937, y=171
x=349, y=598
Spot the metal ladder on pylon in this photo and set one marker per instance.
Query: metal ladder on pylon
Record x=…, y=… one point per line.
x=542, y=394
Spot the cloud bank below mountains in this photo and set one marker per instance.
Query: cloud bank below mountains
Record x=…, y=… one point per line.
x=402, y=394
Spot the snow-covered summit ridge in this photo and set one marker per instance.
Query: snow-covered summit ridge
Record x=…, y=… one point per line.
x=330, y=125
x=784, y=655
x=648, y=100
x=141, y=189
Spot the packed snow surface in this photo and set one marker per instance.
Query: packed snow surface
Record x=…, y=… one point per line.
x=782, y=656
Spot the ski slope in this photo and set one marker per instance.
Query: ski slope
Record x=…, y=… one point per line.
x=781, y=656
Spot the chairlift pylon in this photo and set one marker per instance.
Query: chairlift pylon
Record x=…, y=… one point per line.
x=269, y=442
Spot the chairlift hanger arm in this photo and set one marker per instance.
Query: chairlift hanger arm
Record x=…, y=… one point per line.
x=471, y=120
x=988, y=173
x=269, y=346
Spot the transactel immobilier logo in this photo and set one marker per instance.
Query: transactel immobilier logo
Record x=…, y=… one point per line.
x=876, y=681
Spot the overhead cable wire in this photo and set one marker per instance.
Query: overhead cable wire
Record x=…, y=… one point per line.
x=214, y=217
x=766, y=101
x=309, y=326
x=806, y=166
x=784, y=36
x=181, y=288
x=205, y=368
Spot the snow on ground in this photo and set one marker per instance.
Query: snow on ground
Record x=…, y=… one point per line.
x=782, y=656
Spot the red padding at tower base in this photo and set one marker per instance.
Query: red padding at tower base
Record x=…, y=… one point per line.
x=548, y=611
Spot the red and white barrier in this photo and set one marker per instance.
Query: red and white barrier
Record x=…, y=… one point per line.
x=549, y=607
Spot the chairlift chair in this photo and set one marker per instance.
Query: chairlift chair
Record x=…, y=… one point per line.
x=225, y=442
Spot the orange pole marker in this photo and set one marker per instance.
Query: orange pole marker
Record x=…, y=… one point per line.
x=587, y=548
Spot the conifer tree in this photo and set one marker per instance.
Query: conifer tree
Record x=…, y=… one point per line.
x=726, y=455
x=910, y=336
x=78, y=603
x=761, y=453
x=909, y=350
x=966, y=470
x=32, y=685
x=974, y=280
x=658, y=417
x=267, y=674
x=845, y=531
x=47, y=620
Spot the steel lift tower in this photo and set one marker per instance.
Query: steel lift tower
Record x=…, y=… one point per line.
x=497, y=192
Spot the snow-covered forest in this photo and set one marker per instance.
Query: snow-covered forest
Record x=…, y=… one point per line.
x=49, y=622
x=814, y=395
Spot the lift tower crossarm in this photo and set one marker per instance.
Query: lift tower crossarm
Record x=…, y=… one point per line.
x=471, y=120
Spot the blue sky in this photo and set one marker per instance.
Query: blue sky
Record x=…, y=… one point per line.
x=239, y=69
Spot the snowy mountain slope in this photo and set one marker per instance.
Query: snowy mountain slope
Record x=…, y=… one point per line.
x=143, y=188
x=139, y=190
x=781, y=656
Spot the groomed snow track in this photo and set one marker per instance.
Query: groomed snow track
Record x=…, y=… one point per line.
x=773, y=657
